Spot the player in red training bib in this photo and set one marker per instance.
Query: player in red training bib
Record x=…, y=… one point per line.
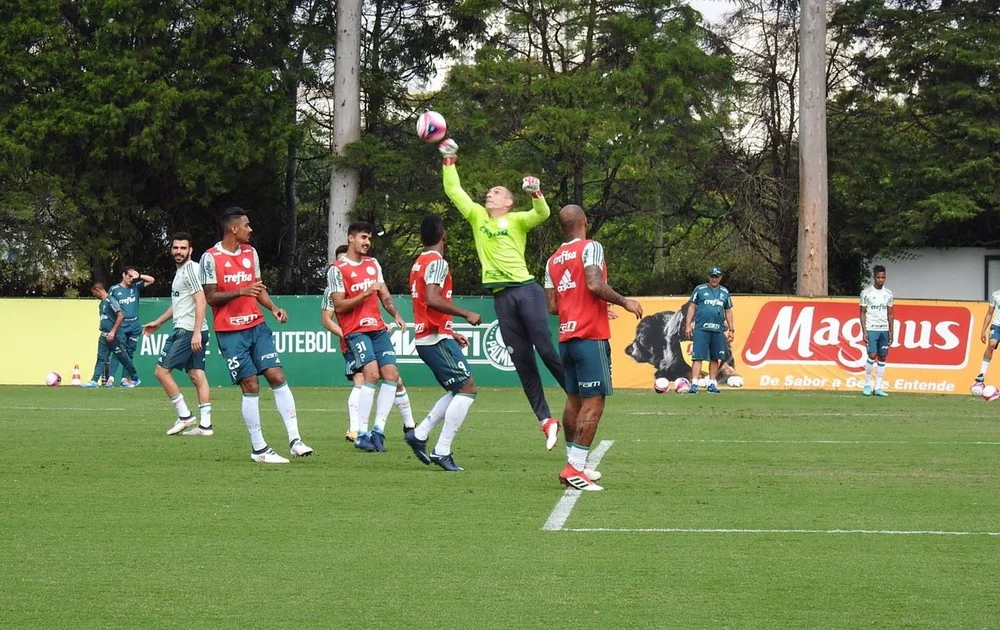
x=577, y=290
x=230, y=275
x=439, y=346
x=355, y=289
x=351, y=371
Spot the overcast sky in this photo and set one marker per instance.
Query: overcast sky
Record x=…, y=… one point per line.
x=713, y=10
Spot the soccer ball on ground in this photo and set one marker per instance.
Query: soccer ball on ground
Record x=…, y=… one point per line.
x=431, y=126
x=990, y=393
x=661, y=385
x=52, y=379
x=734, y=381
x=682, y=385
x=977, y=389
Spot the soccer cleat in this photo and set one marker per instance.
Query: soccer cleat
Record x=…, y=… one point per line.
x=867, y=391
x=110, y=382
x=350, y=436
x=299, y=449
x=980, y=378
x=419, y=446
x=378, y=441
x=592, y=474
x=364, y=443
x=446, y=461
x=879, y=392
x=713, y=389
x=693, y=389
x=129, y=384
x=180, y=425
x=550, y=429
x=268, y=456
x=90, y=384
x=577, y=479
x=205, y=431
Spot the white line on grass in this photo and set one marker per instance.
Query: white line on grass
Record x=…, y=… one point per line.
x=833, y=442
x=688, y=530
x=562, y=510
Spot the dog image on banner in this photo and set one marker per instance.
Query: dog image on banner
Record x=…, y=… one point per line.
x=661, y=342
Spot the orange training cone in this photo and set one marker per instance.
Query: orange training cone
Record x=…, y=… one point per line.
x=76, y=375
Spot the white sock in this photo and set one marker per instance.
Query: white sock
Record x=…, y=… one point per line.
x=251, y=417
x=434, y=416
x=366, y=398
x=578, y=456
x=205, y=411
x=402, y=403
x=713, y=382
x=869, y=364
x=285, y=403
x=383, y=405
x=352, y=409
x=985, y=365
x=879, y=373
x=453, y=419
x=181, y=406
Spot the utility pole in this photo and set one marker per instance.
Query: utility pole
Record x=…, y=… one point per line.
x=345, y=181
x=812, y=251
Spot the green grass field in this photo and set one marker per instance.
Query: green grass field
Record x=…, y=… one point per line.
x=743, y=510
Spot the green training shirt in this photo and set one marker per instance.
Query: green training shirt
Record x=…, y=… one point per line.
x=499, y=242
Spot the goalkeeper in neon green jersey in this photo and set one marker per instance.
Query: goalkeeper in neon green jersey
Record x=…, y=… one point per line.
x=500, y=236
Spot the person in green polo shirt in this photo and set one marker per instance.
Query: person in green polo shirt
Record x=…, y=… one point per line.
x=500, y=236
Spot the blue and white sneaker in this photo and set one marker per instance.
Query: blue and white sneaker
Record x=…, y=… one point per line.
x=364, y=443
x=419, y=446
x=129, y=384
x=378, y=441
x=867, y=391
x=693, y=389
x=446, y=461
x=713, y=389
x=94, y=384
x=879, y=392
x=110, y=382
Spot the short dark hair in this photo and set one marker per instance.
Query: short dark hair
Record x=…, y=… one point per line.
x=182, y=236
x=878, y=269
x=230, y=214
x=127, y=268
x=96, y=286
x=431, y=230
x=359, y=227
x=341, y=249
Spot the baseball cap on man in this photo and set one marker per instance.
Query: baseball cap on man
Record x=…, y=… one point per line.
x=715, y=271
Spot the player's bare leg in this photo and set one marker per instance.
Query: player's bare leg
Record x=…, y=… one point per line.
x=200, y=382
x=584, y=426
x=184, y=416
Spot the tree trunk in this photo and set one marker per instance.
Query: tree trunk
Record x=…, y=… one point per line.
x=346, y=121
x=290, y=237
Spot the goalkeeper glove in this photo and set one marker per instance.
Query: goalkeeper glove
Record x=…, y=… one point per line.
x=530, y=185
x=448, y=148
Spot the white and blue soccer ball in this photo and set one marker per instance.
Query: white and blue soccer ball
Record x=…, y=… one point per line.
x=682, y=385
x=52, y=379
x=661, y=385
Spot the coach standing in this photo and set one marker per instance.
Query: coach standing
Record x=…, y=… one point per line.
x=710, y=326
x=500, y=236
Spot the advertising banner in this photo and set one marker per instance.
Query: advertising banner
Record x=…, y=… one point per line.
x=780, y=343
x=57, y=334
x=800, y=343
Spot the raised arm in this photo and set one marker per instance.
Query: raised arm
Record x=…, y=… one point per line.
x=452, y=185
x=539, y=207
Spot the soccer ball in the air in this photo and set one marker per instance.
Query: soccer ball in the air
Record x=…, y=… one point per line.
x=990, y=393
x=977, y=389
x=661, y=385
x=682, y=385
x=431, y=126
x=52, y=379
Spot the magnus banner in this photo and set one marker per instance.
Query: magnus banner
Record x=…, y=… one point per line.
x=799, y=343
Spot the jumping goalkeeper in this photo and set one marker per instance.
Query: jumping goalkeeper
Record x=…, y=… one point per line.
x=500, y=236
